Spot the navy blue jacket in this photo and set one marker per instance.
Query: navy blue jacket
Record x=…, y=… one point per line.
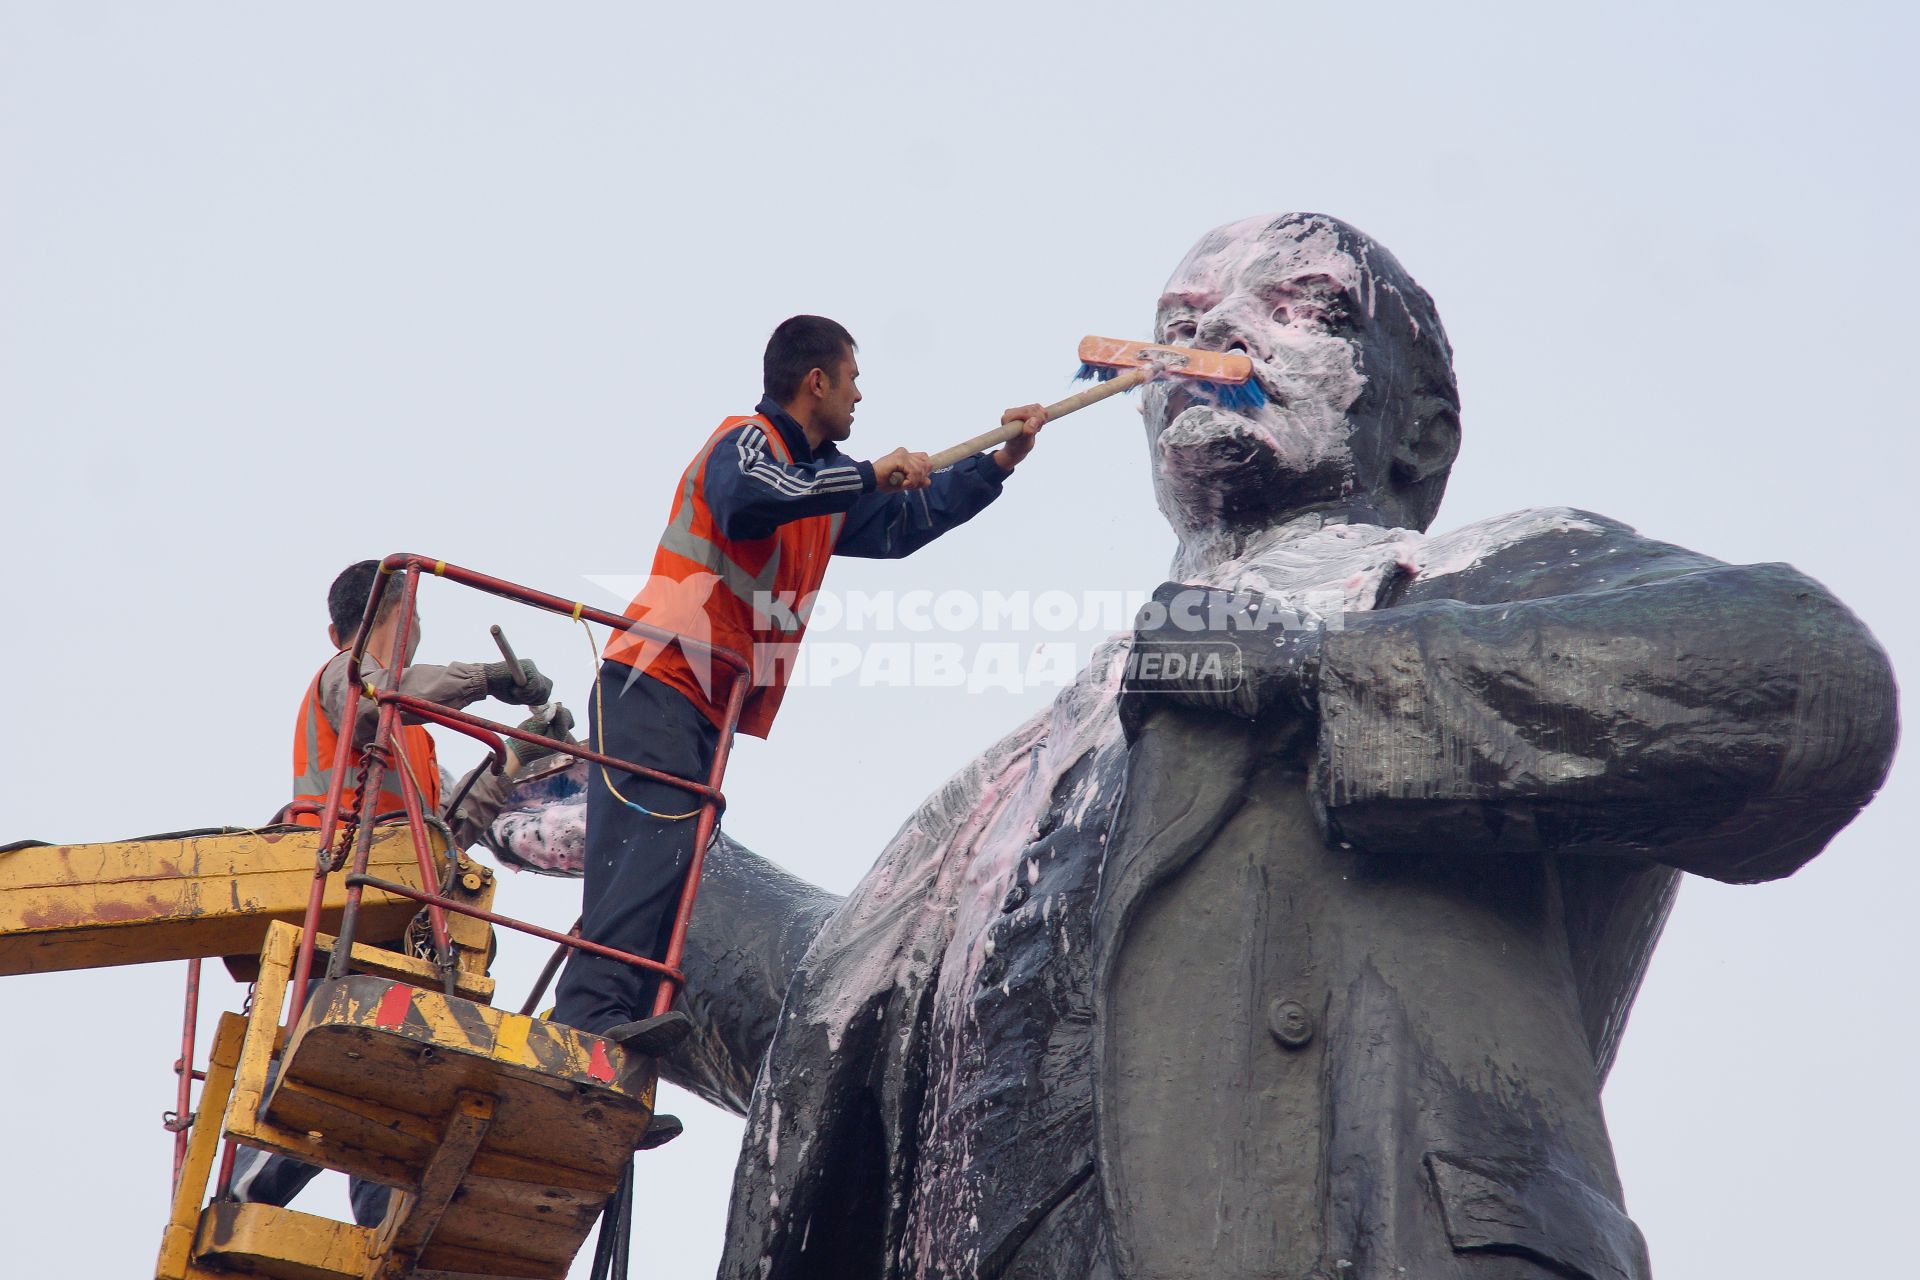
x=751, y=492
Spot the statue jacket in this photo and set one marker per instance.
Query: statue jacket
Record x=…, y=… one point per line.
x=1319, y=994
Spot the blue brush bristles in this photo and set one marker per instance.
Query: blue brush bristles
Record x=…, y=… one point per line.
x=1240, y=396
x=1237, y=396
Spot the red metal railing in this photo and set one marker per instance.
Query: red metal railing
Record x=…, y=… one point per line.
x=180, y=1119
x=354, y=831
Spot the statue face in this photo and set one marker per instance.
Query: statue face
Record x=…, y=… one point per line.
x=1295, y=293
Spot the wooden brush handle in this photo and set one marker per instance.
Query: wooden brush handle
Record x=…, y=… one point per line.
x=1006, y=431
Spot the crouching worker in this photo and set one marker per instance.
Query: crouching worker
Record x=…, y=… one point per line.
x=456, y=685
x=261, y=1178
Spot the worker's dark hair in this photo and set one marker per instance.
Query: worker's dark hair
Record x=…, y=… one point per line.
x=347, y=597
x=800, y=345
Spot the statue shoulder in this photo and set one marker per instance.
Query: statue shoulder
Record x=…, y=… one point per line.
x=1535, y=529
x=1542, y=551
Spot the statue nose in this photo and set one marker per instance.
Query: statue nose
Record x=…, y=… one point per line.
x=1221, y=331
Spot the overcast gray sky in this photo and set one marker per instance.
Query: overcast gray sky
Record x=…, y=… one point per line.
x=519, y=260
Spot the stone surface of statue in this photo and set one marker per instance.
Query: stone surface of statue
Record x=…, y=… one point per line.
x=1320, y=974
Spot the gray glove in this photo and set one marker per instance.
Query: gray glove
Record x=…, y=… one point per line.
x=560, y=726
x=535, y=690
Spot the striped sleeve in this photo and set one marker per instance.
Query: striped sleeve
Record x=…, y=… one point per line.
x=751, y=492
x=890, y=525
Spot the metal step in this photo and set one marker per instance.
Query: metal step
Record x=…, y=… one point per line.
x=261, y=1240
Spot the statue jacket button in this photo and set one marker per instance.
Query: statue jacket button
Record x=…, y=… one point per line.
x=1290, y=1022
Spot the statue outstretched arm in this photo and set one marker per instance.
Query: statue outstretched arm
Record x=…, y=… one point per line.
x=1726, y=720
x=751, y=925
x=1594, y=692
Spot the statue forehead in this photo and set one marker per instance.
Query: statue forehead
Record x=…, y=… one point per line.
x=1270, y=249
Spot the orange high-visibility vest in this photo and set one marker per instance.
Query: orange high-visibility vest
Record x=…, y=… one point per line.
x=749, y=595
x=314, y=741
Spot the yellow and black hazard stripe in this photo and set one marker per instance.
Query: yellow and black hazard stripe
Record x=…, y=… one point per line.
x=452, y=1026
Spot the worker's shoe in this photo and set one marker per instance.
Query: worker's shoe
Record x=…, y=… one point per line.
x=660, y=1132
x=652, y=1036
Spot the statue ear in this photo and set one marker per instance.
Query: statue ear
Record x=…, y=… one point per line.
x=1429, y=442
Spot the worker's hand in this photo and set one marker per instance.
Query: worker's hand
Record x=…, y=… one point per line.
x=900, y=471
x=1236, y=653
x=1014, y=452
x=558, y=725
x=501, y=684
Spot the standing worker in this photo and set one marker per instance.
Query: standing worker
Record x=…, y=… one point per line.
x=758, y=511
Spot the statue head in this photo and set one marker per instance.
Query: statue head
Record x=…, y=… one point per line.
x=1362, y=414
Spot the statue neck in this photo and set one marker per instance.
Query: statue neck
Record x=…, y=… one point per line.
x=1202, y=550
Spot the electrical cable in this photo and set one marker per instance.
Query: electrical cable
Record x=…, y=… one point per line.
x=599, y=727
x=616, y=1231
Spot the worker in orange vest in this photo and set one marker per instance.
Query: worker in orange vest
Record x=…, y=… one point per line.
x=261, y=1178
x=756, y=514
x=455, y=685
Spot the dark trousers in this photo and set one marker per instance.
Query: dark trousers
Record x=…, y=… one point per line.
x=636, y=864
x=260, y=1177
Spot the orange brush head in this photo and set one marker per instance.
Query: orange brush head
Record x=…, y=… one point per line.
x=1225, y=375
x=1227, y=367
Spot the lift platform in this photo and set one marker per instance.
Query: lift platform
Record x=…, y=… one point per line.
x=504, y=1135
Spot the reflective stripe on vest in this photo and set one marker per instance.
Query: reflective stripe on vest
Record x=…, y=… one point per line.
x=702, y=578
x=747, y=586
x=315, y=741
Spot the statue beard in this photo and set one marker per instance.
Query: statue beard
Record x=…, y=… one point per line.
x=1231, y=471
x=1218, y=469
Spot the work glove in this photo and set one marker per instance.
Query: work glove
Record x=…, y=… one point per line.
x=501, y=684
x=558, y=725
